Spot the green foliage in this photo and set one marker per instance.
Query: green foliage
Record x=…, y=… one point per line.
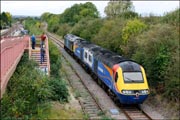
x=132, y=28
x=33, y=26
x=5, y=19
x=60, y=91
x=77, y=12
x=64, y=29
x=55, y=60
x=61, y=24
x=58, y=85
x=87, y=28
x=53, y=21
x=110, y=35
x=26, y=90
x=156, y=51
x=120, y=9
x=172, y=82
x=151, y=20
x=172, y=17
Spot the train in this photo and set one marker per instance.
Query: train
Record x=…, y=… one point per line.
x=124, y=79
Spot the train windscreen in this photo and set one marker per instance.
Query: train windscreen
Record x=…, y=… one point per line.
x=133, y=77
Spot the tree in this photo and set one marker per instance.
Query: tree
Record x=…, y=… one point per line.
x=133, y=27
x=9, y=18
x=87, y=28
x=77, y=12
x=110, y=35
x=6, y=19
x=120, y=8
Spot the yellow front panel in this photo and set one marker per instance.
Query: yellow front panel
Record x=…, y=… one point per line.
x=130, y=86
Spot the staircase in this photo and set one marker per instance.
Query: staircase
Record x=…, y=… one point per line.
x=36, y=56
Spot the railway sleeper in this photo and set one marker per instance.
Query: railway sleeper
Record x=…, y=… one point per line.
x=91, y=113
x=95, y=118
x=87, y=102
x=89, y=105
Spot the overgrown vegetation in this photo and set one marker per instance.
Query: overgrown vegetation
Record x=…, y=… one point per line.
x=152, y=41
x=33, y=25
x=26, y=92
x=58, y=85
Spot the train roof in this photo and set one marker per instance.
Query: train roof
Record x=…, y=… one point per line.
x=108, y=57
x=71, y=37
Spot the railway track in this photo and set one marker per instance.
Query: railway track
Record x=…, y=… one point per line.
x=135, y=113
x=131, y=112
x=86, y=99
x=10, y=31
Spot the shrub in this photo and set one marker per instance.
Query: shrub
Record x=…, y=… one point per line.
x=132, y=28
x=110, y=35
x=55, y=60
x=172, y=17
x=157, y=51
x=58, y=85
x=63, y=29
x=60, y=91
x=26, y=90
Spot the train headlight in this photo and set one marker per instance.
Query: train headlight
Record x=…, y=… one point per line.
x=127, y=91
x=144, y=91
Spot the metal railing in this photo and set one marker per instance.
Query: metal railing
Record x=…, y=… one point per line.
x=47, y=54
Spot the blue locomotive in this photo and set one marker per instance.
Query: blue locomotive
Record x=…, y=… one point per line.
x=124, y=79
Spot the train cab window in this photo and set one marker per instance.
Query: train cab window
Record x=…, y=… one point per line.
x=116, y=76
x=90, y=58
x=86, y=55
x=133, y=77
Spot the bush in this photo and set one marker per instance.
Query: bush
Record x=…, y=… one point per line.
x=172, y=17
x=87, y=28
x=157, y=51
x=32, y=26
x=26, y=90
x=60, y=91
x=58, y=85
x=110, y=35
x=55, y=60
x=63, y=29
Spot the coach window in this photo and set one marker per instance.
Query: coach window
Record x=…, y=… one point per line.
x=86, y=55
x=90, y=60
x=116, y=77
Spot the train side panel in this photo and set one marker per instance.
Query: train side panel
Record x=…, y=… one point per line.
x=105, y=74
x=77, y=52
x=88, y=58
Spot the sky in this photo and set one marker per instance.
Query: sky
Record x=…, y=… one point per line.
x=37, y=8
